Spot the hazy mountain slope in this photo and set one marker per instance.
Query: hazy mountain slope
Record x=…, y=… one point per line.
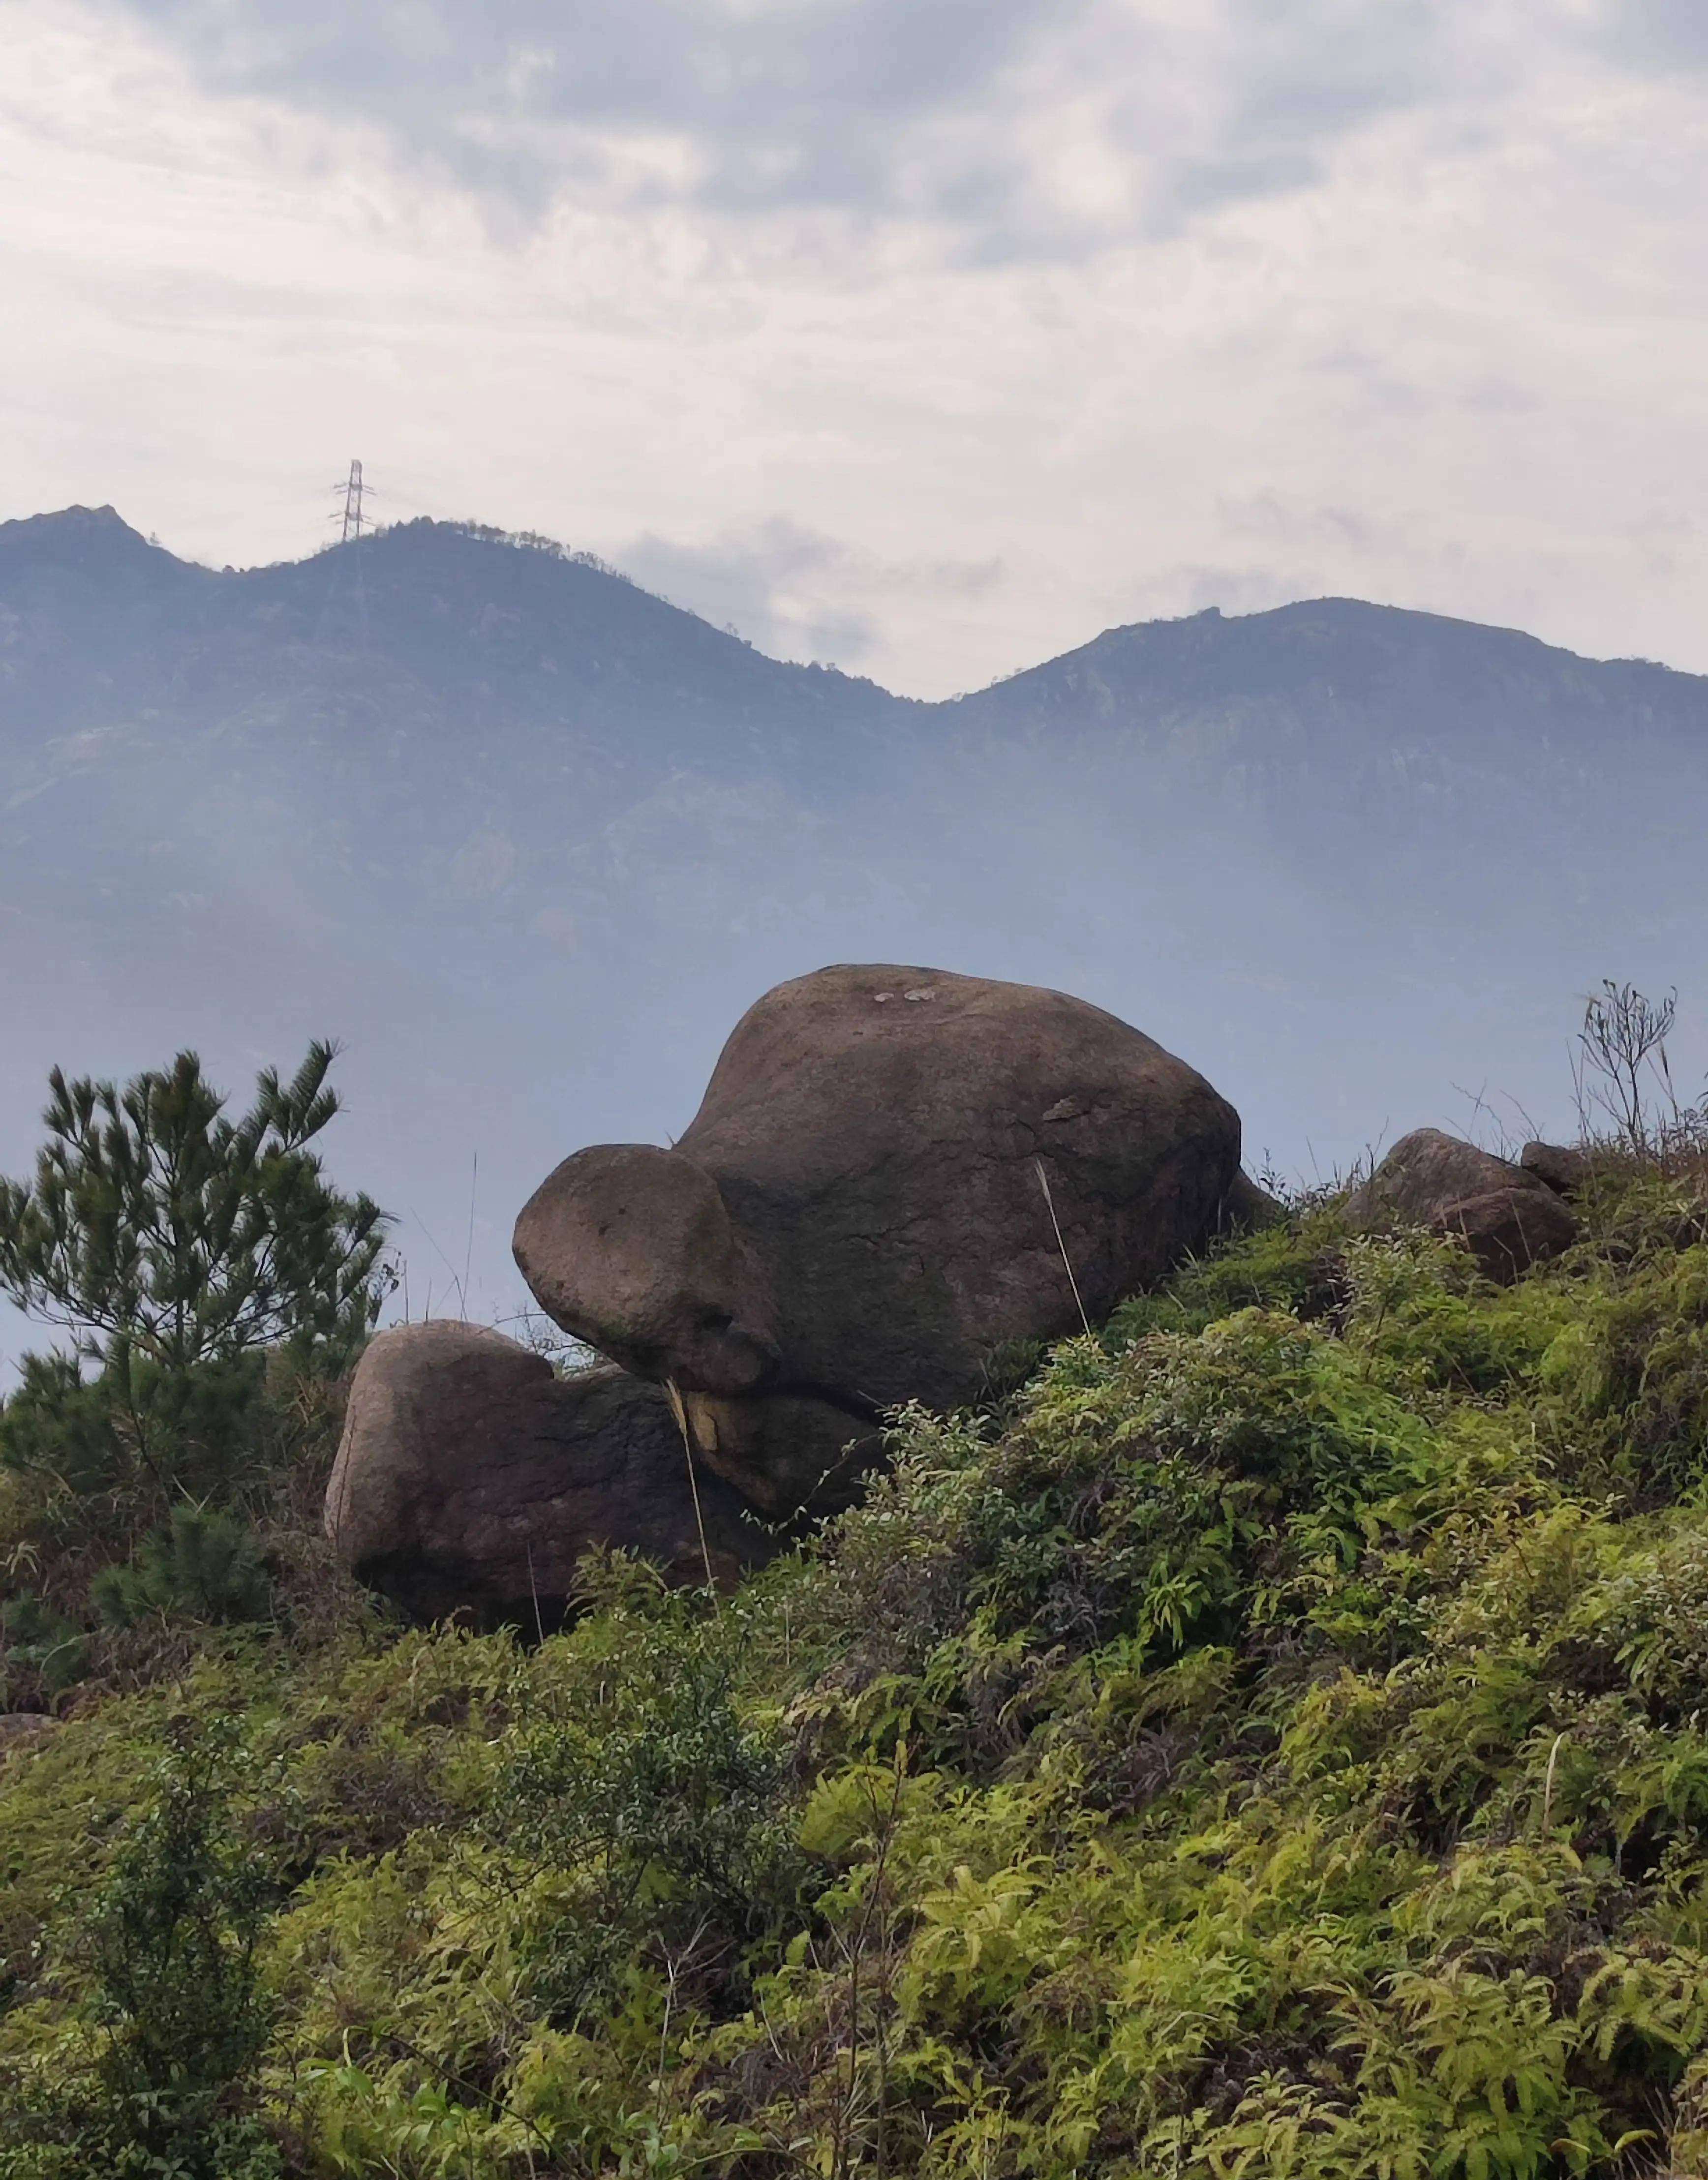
x=377, y=706
x=1442, y=729
x=1482, y=822
x=529, y=839
x=1303, y=683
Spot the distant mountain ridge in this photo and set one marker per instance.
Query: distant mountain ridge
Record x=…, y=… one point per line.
x=469, y=646
x=530, y=837
x=1291, y=696
x=453, y=609
x=55, y=567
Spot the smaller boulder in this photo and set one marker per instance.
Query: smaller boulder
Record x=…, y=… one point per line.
x=1247, y=1208
x=1559, y=1166
x=471, y=1479
x=1506, y=1217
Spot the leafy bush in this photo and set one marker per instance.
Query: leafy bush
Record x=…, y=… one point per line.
x=1633, y=1364
x=39, y=1648
x=667, y=1811
x=173, y=2018
x=99, y=1452
x=1293, y=1264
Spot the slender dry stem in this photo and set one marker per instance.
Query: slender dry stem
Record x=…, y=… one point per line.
x=680, y=1411
x=1548, y=1784
x=1043, y=1183
x=534, y=1592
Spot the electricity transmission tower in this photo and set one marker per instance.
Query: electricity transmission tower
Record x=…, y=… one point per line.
x=355, y=516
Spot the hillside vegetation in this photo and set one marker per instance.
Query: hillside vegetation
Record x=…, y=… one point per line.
x=1272, y=1742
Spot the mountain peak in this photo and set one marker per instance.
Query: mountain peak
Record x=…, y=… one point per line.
x=70, y=521
x=72, y=534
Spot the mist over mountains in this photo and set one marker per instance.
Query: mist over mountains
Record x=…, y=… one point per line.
x=528, y=839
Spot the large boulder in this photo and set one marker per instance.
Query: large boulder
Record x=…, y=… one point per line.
x=1508, y=1217
x=471, y=1478
x=896, y=1174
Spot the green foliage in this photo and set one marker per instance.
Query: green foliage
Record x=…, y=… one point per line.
x=1632, y=1364
x=1293, y=1264
x=174, y=2021
x=203, y=1566
x=39, y=1646
x=135, y=1432
x=215, y=1287
x=129, y=1505
x=1272, y=1742
x=156, y=1227
x=667, y=1813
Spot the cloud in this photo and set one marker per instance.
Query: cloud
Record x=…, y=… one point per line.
x=926, y=339
x=1014, y=128
x=795, y=593
x=743, y=106
x=1662, y=34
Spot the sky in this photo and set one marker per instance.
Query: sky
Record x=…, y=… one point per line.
x=927, y=337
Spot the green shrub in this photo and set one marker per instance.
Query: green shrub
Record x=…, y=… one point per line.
x=40, y=1650
x=1632, y=1367
x=1293, y=1264
x=1185, y=1490
x=174, y=2019
x=203, y=1566
x=97, y=1453
x=668, y=1810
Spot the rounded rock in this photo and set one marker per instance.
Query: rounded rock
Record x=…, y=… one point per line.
x=471, y=1479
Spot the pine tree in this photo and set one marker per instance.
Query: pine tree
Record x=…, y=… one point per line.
x=197, y=1263
x=157, y=1228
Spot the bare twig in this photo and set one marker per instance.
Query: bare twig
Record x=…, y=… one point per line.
x=469, y=1247
x=1623, y=1038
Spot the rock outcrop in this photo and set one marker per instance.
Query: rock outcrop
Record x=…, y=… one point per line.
x=896, y=1176
x=895, y=1173
x=1509, y=1217
x=471, y=1478
x=1564, y=1168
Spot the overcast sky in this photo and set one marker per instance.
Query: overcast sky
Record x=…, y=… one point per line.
x=927, y=336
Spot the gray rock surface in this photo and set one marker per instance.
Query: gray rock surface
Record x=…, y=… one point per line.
x=1562, y=1166
x=857, y=1214
x=471, y=1478
x=1247, y=1208
x=1508, y=1218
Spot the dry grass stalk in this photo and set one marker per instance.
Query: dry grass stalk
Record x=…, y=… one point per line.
x=1043, y=1183
x=680, y=1411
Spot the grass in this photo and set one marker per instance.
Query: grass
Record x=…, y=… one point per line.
x=1274, y=1741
